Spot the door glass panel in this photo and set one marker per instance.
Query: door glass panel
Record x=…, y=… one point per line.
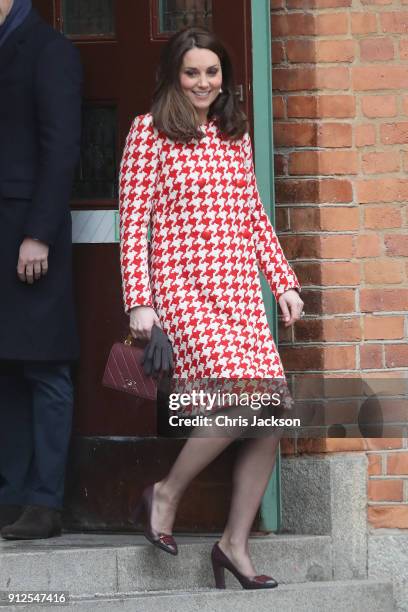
x=177, y=14
x=88, y=17
x=96, y=174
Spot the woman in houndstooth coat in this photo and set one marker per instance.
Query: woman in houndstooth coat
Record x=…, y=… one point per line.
x=187, y=170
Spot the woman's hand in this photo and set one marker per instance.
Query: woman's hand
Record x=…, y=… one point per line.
x=291, y=306
x=142, y=319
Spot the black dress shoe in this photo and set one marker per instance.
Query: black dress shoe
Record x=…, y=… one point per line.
x=36, y=522
x=9, y=514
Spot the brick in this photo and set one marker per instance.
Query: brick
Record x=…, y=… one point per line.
x=363, y=23
x=371, y=356
x=280, y=165
x=383, y=443
x=301, y=247
x=296, y=79
x=396, y=245
x=340, y=273
x=368, y=245
x=374, y=465
x=395, y=22
x=313, y=190
x=282, y=223
x=295, y=134
x=379, y=217
x=329, y=330
x=365, y=135
x=336, y=247
x=405, y=160
x=329, y=301
x=339, y=357
x=383, y=190
x=378, y=163
x=386, y=516
x=332, y=23
x=379, y=106
x=308, y=273
x=336, y=77
x=295, y=24
x=405, y=104
x=383, y=328
x=278, y=54
x=295, y=358
x=316, y=247
x=380, y=300
x=394, y=133
x=329, y=106
x=325, y=219
x=277, y=5
x=376, y=49
x=316, y=4
x=378, y=76
x=397, y=463
x=383, y=272
x=334, y=135
x=377, y=2
x=323, y=162
x=316, y=51
x=403, y=49
x=396, y=355
x=385, y=490
x=279, y=111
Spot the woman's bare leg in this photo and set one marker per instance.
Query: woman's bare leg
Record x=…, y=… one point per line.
x=252, y=472
x=195, y=455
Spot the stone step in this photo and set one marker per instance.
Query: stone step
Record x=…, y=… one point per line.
x=85, y=564
x=337, y=596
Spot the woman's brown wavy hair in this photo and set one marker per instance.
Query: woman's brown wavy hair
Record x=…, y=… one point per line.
x=173, y=113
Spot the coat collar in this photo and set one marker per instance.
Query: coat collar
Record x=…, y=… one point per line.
x=18, y=38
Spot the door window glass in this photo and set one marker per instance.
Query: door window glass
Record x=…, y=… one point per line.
x=88, y=17
x=177, y=14
x=96, y=174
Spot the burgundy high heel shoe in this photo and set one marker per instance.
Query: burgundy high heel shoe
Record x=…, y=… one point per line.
x=165, y=541
x=220, y=562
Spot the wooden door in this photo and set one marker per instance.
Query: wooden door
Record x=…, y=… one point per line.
x=120, y=43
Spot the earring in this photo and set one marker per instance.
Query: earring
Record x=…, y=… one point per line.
x=220, y=89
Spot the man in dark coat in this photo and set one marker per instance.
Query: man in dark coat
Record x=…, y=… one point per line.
x=40, y=108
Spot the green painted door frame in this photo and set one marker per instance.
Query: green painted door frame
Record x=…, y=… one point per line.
x=263, y=149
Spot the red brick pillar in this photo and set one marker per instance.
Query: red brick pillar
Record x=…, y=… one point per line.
x=340, y=75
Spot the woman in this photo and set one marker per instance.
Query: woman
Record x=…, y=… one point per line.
x=187, y=166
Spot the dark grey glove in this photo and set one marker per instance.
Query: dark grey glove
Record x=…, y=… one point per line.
x=158, y=354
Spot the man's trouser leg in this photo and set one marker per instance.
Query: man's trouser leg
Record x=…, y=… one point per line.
x=16, y=435
x=52, y=405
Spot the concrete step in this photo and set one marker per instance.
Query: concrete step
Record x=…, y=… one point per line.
x=338, y=596
x=85, y=564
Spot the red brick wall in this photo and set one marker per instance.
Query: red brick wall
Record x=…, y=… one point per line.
x=340, y=75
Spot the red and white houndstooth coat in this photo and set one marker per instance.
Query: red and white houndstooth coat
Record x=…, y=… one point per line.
x=209, y=234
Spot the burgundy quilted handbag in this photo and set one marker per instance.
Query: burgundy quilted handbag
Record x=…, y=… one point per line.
x=124, y=371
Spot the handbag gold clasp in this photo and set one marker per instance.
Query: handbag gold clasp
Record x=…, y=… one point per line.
x=128, y=340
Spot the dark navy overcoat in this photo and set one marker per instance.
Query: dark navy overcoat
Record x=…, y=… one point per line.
x=40, y=111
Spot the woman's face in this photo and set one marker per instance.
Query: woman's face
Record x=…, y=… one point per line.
x=201, y=78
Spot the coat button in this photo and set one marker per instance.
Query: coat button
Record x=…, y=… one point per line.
x=247, y=234
x=206, y=234
x=201, y=183
x=241, y=183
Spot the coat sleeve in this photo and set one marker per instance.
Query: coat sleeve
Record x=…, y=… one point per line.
x=269, y=254
x=137, y=183
x=57, y=86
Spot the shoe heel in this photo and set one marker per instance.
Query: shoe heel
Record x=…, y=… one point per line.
x=219, y=575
